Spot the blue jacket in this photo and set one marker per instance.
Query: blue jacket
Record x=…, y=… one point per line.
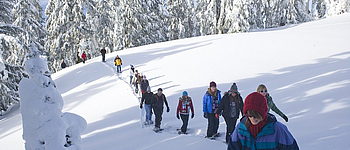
x=208, y=101
x=274, y=136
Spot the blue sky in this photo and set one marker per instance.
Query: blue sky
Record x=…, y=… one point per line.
x=43, y=3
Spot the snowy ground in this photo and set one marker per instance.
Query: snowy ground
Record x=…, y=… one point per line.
x=306, y=68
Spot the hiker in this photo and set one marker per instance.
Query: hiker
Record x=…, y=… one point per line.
x=147, y=99
x=63, y=65
x=135, y=80
x=230, y=106
x=158, y=105
x=183, y=108
x=144, y=84
x=271, y=105
x=83, y=56
x=211, y=102
x=103, y=53
x=118, y=62
x=132, y=71
x=260, y=129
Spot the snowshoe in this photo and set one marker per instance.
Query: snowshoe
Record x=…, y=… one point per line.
x=217, y=135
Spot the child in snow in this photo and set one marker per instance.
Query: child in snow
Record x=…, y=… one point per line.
x=211, y=102
x=158, y=105
x=118, y=62
x=132, y=71
x=144, y=84
x=231, y=104
x=83, y=56
x=147, y=98
x=271, y=105
x=259, y=129
x=183, y=108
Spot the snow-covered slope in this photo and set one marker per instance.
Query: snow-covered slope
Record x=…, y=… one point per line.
x=306, y=68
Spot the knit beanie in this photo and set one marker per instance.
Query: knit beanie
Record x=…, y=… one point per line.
x=234, y=88
x=212, y=84
x=149, y=88
x=184, y=93
x=144, y=77
x=257, y=102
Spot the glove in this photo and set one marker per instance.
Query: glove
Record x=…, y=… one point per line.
x=141, y=106
x=167, y=109
x=217, y=116
x=205, y=115
x=192, y=116
x=177, y=116
x=285, y=118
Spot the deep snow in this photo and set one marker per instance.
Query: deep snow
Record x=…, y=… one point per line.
x=306, y=68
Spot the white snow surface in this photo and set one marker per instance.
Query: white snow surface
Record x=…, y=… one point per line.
x=306, y=68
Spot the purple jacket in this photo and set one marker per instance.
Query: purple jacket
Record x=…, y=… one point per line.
x=274, y=136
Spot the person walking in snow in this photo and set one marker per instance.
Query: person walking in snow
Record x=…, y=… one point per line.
x=78, y=58
x=211, y=102
x=147, y=99
x=183, y=108
x=271, y=105
x=118, y=62
x=63, y=65
x=230, y=106
x=158, y=105
x=144, y=84
x=132, y=71
x=136, y=80
x=260, y=129
x=103, y=53
x=83, y=56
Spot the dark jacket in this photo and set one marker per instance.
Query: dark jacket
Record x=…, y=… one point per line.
x=63, y=65
x=147, y=98
x=103, y=51
x=144, y=85
x=273, y=136
x=158, y=101
x=226, y=107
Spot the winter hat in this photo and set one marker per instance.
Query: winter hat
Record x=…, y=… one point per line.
x=234, y=88
x=149, y=88
x=257, y=102
x=131, y=65
x=212, y=84
x=144, y=77
x=160, y=89
x=184, y=93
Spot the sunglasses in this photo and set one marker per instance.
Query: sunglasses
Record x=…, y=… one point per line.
x=250, y=116
x=262, y=91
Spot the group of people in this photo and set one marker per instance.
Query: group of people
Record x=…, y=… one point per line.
x=257, y=128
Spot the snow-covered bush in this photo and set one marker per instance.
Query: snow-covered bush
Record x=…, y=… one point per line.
x=44, y=124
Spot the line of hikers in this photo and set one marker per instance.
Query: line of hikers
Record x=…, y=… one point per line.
x=257, y=129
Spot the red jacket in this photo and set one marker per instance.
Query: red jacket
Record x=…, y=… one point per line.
x=83, y=56
x=185, y=108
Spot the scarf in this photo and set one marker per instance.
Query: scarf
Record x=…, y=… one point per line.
x=255, y=129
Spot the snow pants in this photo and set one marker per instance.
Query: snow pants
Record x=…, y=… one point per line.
x=213, y=125
x=184, y=119
x=230, y=126
x=158, y=112
x=131, y=79
x=148, y=113
x=103, y=57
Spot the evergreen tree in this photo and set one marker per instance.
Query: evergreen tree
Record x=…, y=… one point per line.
x=208, y=13
x=234, y=16
x=183, y=19
x=28, y=15
x=103, y=21
x=69, y=33
x=142, y=22
x=12, y=55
